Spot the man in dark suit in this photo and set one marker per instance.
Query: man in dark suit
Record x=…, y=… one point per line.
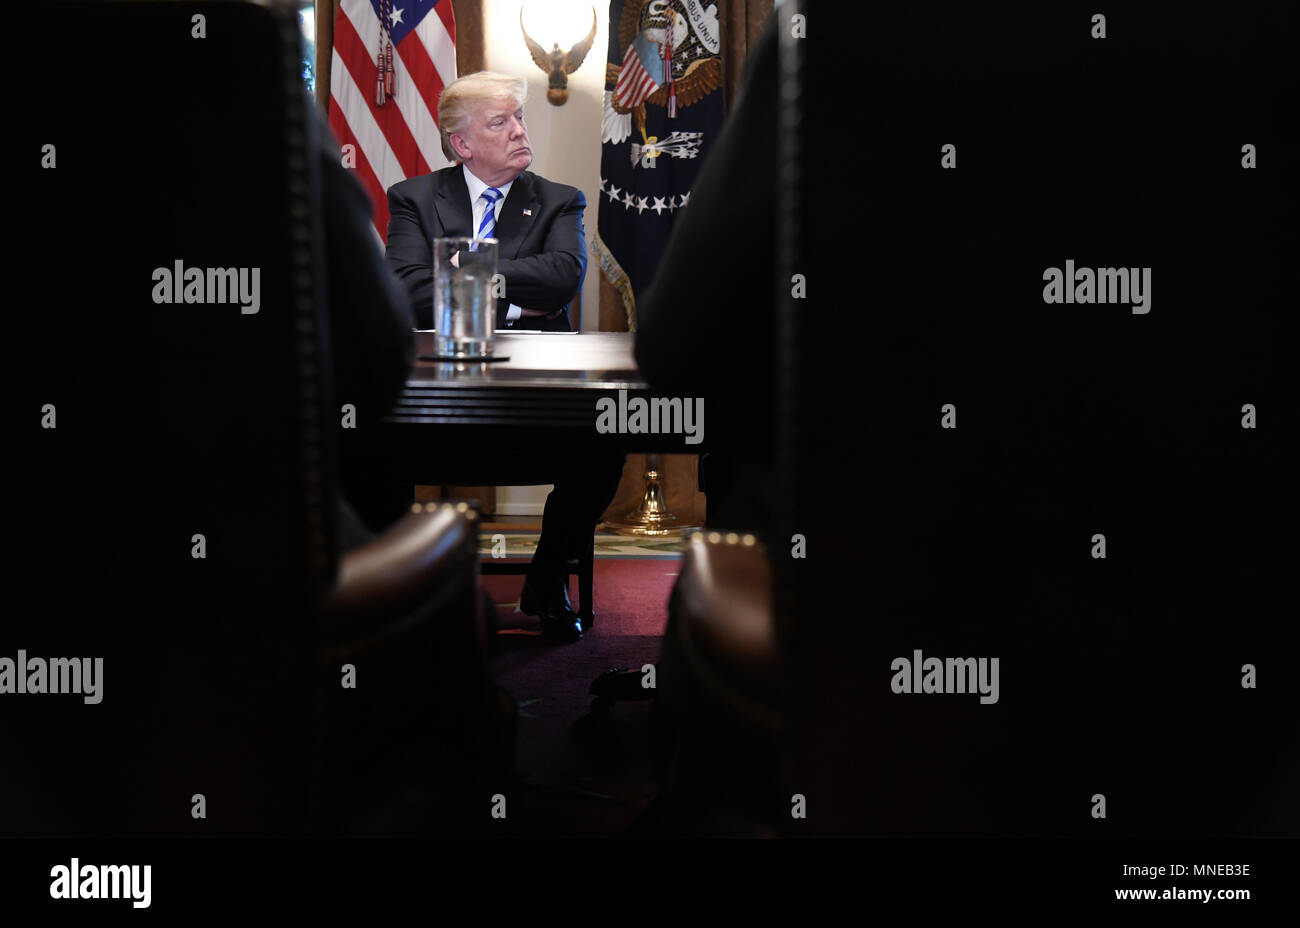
x=543, y=257
x=537, y=223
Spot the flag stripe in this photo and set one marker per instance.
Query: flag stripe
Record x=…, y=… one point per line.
x=448, y=19
x=418, y=91
x=441, y=45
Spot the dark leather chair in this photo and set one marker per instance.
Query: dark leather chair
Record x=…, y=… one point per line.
x=172, y=505
x=407, y=610
x=719, y=717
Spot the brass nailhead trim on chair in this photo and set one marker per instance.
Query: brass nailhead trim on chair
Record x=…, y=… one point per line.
x=438, y=507
x=731, y=539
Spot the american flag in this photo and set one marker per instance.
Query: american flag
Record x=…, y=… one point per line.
x=398, y=138
x=642, y=73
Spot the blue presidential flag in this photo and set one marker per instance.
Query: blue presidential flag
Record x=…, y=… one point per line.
x=663, y=108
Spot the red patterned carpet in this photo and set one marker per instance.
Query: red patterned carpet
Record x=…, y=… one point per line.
x=581, y=773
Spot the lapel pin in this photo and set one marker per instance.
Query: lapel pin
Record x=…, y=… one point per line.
x=528, y=212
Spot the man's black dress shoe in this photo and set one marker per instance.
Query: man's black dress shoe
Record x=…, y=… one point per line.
x=559, y=621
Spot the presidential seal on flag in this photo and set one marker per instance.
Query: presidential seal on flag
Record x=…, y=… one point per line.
x=669, y=58
x=662, y=105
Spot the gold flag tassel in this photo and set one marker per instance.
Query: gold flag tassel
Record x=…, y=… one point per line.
x=390, y=73
x=668, y=67
x=383, y=67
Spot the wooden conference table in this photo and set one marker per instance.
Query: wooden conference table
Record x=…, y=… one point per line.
x=504, y=422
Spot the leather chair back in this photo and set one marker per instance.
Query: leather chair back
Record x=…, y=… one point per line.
x=925, y=273
x=173, y=496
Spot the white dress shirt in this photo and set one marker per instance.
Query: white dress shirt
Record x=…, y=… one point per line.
x=478, y=205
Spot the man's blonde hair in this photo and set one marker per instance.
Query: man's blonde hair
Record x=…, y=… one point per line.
x=460, y=95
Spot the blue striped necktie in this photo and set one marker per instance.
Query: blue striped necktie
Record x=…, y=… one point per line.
x=489, y=223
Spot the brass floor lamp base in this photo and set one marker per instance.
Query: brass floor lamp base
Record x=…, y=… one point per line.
x=651, y=517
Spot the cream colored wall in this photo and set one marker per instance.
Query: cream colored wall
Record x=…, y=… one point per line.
x=565, y=139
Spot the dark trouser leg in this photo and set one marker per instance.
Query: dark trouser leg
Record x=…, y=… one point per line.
x=573, y=508
x=548, y=559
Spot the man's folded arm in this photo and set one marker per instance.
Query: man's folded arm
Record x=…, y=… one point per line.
x=410, y=255
x=549, y=280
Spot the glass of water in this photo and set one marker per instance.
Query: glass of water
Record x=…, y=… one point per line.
x=464, y=307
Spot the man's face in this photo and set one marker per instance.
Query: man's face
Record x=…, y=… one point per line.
x=495, y=145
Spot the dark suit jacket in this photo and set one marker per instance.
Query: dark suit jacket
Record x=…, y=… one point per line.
x=543, y=255
x=372, y=346
x=716, y=282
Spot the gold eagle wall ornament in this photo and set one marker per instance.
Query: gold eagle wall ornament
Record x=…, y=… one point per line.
x=558, y=65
